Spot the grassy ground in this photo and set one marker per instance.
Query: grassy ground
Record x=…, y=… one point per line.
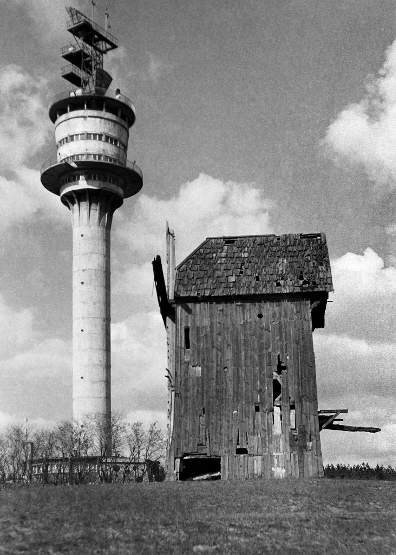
x=321, y=516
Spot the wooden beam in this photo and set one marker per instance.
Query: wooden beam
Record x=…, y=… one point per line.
x=344, y=428
x=326, y=420
x=343, y=411
x=170, y=262
x=166, y=308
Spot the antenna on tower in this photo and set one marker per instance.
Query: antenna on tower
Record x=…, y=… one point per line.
x=85, y=55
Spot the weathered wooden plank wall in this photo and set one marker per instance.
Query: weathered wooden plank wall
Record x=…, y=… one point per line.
x=224, y=402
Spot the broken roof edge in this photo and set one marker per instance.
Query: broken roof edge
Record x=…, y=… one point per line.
x=318, y=234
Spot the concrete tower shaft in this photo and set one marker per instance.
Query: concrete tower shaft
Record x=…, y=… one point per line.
x=92, y=211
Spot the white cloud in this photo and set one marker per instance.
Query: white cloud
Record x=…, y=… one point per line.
x=49, y=357
x=202, y=208
x=135, y=280
x=355, y=359
x=24, y=198
x=361, y=275
x=24, y=122
x=364, y=133
x=16, y=329
x=364, y=298
x=24, y=130
x=138, y=363
x=49, y=16
x=34, y=371
x=148, y=417
x=7, y=419
x=359, y=376
x=358, y=447
x=350, y=368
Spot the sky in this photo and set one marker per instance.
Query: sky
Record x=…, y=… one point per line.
x=267, y=116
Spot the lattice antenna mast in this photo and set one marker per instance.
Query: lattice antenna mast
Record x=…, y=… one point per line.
x=85, y=55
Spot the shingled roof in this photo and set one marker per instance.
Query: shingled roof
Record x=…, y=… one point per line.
x=255, y=265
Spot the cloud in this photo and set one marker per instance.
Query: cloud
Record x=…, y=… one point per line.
x=349, y=368
x=7, y=420
x=138, y=363
x=361, y=275
x=358, y=447
x=354, y=448
x=50, y=357
x=205, y=207
x=359, y=376
x=24, y=123
x=364, y=133
x=356, y=356
x=364, y=298
x=16, y=329
x=35, y=377
x=49, y=16
x=148, y=417
x=24, y=130
x=24, y=198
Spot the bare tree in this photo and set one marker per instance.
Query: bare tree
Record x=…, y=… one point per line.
x=144, y=448
x=155, y=443
x=17, y=439
x=98, y=432
x=44, y=443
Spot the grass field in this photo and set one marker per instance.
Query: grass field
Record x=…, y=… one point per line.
x=320, y=516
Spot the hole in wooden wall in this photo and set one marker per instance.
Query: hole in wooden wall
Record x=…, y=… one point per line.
x=276, y=391
x=194, y=467
x=186, y=337
x=259, y=315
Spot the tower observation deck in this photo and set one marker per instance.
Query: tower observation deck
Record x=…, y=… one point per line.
x=92, y=176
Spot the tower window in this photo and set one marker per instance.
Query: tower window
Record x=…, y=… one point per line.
x=186, y=337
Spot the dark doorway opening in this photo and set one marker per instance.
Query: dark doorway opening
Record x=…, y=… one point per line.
x=194, y=468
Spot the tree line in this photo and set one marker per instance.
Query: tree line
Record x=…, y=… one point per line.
x=26, y=448
x=361, y=471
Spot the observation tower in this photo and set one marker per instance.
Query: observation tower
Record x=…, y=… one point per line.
x=92, y=177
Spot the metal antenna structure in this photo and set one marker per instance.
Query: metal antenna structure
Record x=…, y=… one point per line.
x=85, y=55
x=92, y=177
